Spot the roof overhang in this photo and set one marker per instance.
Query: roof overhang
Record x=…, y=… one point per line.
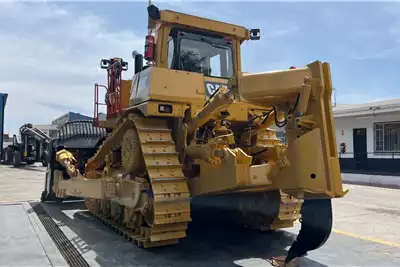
x=366, y=111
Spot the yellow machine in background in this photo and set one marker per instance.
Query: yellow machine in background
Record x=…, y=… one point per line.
x=191, y=134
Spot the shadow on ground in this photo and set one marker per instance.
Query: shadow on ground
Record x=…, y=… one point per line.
x=204, y=245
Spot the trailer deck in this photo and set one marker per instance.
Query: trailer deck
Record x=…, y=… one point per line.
x=366, y=233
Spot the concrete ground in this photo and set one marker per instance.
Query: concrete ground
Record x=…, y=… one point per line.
x=22, y=184
x=366, y=232
x=385, y=181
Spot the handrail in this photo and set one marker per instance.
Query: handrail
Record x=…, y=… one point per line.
x=115, y=97
x=97, y=103
x=113, y=93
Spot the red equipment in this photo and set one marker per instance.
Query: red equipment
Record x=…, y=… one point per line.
x=114, y=67
x=343, y=148
x=149, y=47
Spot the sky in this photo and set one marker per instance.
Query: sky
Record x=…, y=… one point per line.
x=50, y=51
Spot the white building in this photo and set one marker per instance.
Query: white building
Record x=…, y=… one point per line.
x=7, y=140
x=371, y=135
x=52, y=129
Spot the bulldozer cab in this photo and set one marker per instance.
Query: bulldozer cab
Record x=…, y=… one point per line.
x=194, y=44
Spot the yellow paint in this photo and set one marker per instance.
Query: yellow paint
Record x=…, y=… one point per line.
x=371, y=239
x=302, y=95
x=195, y=22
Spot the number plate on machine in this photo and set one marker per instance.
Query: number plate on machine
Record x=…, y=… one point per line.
x=163, y=108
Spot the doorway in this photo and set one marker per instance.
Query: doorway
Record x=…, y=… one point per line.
x=360, y=148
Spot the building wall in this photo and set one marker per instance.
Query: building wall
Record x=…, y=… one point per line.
x=7, y=140
x=50, y=130
x=374, y=163
x=60, y=120
x=344, y=132
x=76, y=116
x=70, y=116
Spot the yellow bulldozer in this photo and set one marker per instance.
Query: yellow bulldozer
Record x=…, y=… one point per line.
x=191, y=133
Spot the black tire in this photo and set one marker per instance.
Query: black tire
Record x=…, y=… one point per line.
x=8, y=155
x=3, y=156
x=17, y=159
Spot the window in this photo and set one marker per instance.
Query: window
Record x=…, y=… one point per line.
x=170, y=51
x=387, y=137
x=205, y=57
x=215, y=66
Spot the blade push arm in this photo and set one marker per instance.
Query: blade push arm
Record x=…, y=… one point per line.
x=303, y=98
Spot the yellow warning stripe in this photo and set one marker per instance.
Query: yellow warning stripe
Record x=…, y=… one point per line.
x=371, y=239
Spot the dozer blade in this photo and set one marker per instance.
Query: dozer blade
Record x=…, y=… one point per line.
x=316, y=226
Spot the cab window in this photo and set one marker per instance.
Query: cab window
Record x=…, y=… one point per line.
x=200, y=56
x=171, y=47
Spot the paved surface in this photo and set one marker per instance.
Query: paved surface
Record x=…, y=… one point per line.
x=373, y=180
x=23, y=239
x=366, y=233
x=370, y=212
x=22, y=184
x=19, y=235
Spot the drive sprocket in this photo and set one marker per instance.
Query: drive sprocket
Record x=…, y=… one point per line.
x=132, y=158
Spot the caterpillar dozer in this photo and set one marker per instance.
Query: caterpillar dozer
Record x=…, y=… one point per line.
x=192, y=136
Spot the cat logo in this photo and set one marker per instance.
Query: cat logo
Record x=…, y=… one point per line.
x=211, y=87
